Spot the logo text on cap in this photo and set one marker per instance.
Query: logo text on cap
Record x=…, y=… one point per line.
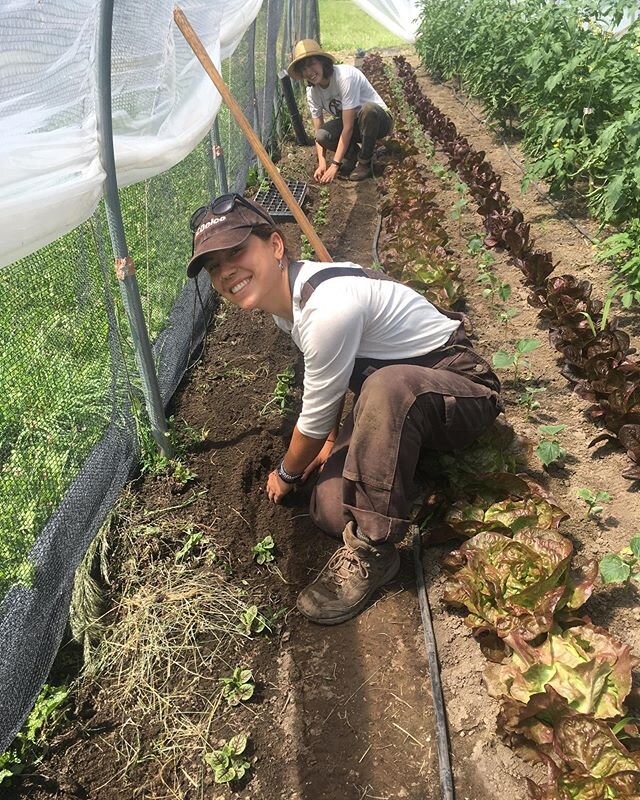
x=209, y=223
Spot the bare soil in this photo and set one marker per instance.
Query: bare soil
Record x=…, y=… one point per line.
x=345, y=713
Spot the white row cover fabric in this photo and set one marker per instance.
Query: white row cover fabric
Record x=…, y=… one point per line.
x=163, y=103
x=398, y=16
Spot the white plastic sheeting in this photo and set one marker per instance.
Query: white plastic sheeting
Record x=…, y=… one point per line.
x=398, y=16
x=163, y=103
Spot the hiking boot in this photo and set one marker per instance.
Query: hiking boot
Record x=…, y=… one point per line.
x=349, y=579
x=361, y=172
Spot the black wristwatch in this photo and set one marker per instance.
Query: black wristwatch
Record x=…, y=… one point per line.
x=335, y=163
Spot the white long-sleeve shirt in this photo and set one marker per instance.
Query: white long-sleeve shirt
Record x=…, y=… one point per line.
x=349, y=317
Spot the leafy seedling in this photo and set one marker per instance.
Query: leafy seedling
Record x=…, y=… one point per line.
x=505, y=316
x=504, y=360
x=182, y=475
x=320, y=217
x=46, y=714
x=528, y=398
x=495, y=290
x=263, y=551
x=238, y=687
x=622, y=567
x=306, y=250
x=282, y=392
x=229, y=762
x=252, y=621
x=594, y=501
x=550, y=450
x=458, y=208
x=191, y=542
x=474, y=245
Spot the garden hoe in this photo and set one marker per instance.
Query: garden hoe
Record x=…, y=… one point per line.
x=203, y=57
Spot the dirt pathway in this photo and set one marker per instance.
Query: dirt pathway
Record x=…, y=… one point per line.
x=344, y=713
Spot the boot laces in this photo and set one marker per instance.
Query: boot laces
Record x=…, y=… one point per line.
x=343, y=563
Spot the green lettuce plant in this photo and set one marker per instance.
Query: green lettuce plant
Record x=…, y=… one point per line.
x=583, y=664
x=238, y=687
x=584, y=757
x=515, y=585
x=501, y=502
x=262, y=551
x=229, y=762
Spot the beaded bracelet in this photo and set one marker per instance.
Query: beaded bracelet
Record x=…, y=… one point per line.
x=285, y=476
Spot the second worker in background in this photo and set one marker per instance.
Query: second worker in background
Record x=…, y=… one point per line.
x=356, y=116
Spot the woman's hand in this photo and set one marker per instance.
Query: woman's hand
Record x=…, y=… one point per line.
x=329, y=174
x=320, y=460
x=276, y=487
x=320, y=171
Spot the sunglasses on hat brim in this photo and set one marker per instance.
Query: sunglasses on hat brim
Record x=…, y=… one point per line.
x=223, y=205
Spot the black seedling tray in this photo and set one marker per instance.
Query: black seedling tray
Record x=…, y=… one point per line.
x=271, y=199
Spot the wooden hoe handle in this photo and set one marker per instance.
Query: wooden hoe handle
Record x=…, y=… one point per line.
x=201, y=54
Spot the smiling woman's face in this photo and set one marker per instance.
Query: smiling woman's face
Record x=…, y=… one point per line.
x=312, y=70
x=248, y=275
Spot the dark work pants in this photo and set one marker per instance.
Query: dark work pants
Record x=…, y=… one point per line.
x=401, y=409
x=372, y=122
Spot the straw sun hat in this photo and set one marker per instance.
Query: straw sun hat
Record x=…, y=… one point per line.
x=306, y=48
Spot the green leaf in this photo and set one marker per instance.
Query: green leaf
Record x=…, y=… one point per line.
x=245, y=692
x=527, y=345
x=217, y=759
x=613, y=194
x=634, y=544
x=237, y=744
x=224, y=775
x=549, y=451
x=502, y=360
x=551, y=429
x=614, y=570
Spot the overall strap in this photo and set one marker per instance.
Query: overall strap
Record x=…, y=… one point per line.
x=324, y=275
x=292, y=273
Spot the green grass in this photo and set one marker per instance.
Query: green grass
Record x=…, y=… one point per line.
x=55, y=362
x=344, y=26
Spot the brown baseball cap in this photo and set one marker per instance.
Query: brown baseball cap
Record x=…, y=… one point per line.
x=225, y=223
x=306, y=48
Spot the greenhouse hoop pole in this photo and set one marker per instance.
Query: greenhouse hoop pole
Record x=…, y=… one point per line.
x=125, y=271
x=203, y=57
x=218, y=158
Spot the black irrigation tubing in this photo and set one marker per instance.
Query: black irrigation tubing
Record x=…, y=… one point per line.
x=442, y=732
x=442, y=735
x=545, y=195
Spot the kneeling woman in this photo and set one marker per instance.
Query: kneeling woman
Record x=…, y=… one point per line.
x=417, y=384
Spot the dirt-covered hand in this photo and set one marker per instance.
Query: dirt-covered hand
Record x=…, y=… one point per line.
x=330, y=174
x=317, y=175
x=276, y=487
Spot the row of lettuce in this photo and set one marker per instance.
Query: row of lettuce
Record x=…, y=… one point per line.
x=558, y=76
x=562, y=682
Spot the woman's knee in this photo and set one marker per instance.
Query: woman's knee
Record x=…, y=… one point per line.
x=325, y=138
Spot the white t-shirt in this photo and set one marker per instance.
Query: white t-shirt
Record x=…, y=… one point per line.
x=349, y=317
x=348, y=88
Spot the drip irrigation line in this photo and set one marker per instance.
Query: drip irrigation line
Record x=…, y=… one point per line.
x=442, y=736
x=541, y=192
